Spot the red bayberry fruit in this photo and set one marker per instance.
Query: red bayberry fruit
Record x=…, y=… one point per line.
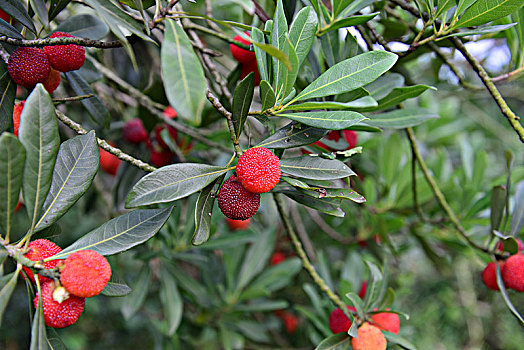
x=277, y=258
x=52, y=81
x=158, y=134
x=513, y=272
x=290, y=322
x=85, y=273
x=17, y=111
x=237, y=225
x=28, y=66
x=369, y=338
x=248, y=68
x=19, y=205
x=59, y=314
x=109, y=162
x=363, y=289
x=338, y=322
x=170, y=112
x=387, y=321
x=39, y=250
x=239, y=54
x=258, y=170
x=334, y=135
x=160, y=158
x=134, y=131
x=489, y=275
x=351, y=138
x=5, y=16
x=65, y=58
x=236, y=202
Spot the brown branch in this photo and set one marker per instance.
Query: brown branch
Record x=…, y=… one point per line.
x=60, y=41
x=222, y=110
x=502, y=78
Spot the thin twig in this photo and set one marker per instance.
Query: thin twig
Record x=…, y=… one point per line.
x=507, y=76
x=315, y=216
x=302, y=232
x=72, y=98
x=260, y=12
x=222, y=110
x=61, y=41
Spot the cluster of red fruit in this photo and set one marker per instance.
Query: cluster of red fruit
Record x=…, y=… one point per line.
x=512, y=271
x=369, y=333
x=245, y=57
x=29, y=66
x=257, y=171
x=83, y=274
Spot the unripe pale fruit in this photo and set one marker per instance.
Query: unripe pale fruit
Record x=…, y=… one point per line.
x=59, y=314
x=17, y=111
x=239, y=54
x=513, y=272
x=387, y=321
x=109, y=162
x=369, y=338
x=258, y=170
x=65, y=58
x=238, y=225
x=85, y=273
x=134, y=131
x=52, y=81
x=40, y=249
x=338, y=321
x=489, y=275
x=236, y=202
x=28, y=66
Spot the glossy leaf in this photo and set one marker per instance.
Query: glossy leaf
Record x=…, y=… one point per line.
x=98, y=112
x=56, y=7
x=302, y=33
x=331, y=120
x=356, y=6
x=279, y=41
x=256, y=258
x=17, y=10
x=363, y=103
x=39, y=134
x=84, y=26
x=262, y=59
x=7, y=97
x=242, y=98
x=6, y=291
x=325, y=206
x=120, y=233
x=481, y=30
x=172, y=182
x=315, y=168
x=357, y=303
x=40, y=9
x=348, y=22
x=384, y=84
x=136, y=298
x=504, y=293
x=517, y=216
x=38, y=330
x=497, y=205
x=397, y=339
x=349, y=75
x=484, y=11
x=287, y=76
x=338, y=341
x=12, y=160
x=171, y=302
x=400, y=94
x=401, y=118
x=267, y=95
x=182, y=73
x=293, y=135
x=116, y=289
x=10, y=31
x=444, y=5
x=75, y=168
x=203, y=213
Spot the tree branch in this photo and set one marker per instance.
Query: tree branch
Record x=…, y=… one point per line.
x=60, y=41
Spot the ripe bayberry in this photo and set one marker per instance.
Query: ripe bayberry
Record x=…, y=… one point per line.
x=351, y=138
x=277, y=258
x=17, y=111
x=369, y=338
x=109, y=162
x=28, y=66
x=39, y=250
x=52, y=81
x=65, y=58
x=134, y=131
x=248, y=68
x=236, y=202
x=258, y=170
x=338, y=321
x=237, y=225
x=59, y=314
x=239, y=54
x=85, y=273
x=513, y=272
x=387, y=321
x=489, y=275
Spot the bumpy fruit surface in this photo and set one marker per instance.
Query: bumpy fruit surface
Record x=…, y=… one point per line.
x=513, y=272
x=17, y=111
x=109, y=162
x=277, y=258
x=65, y=58
x=85, y=273
x=38, y=250
x=258, y=170
x=489, y=275
x=239, y=54
x=369, y=338
x=236, y=202
x=338, y=322
x=134, y=131
x=238, y=225
x=351, y=138
x=52, y=81
x=387, y=321
x=28, y=66
x=59, y=315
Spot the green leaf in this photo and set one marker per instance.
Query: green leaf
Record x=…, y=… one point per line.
x=354, y=20
x=331, y=120
x=363, y=103
x=356, y=6
x=242, y=98
x=339, y=6
x=256, y=258
x=401, y=118
x=116, y=289
x=262, y=306
x=400, y=94
x=84, y=26
x=497, y=205
x=280, y=55
x=293, y=135
x=357, y=303
x=444, y=5
x=224, y=242
x=381, y=87
x=397, y=339
x=338, y=341
x=517, y=216
x=279, y=41
x=10, y=31
x=7, y=291
x=276, y=277
x=504, y=292
x=302, y=33
x=326, y=206
x=56, y=7
x=481, y=30
x=340, y=193
x=267, y=95
x=377, y=279
x=12, y=160
x=349, y=75
x=40, y=9
x=262, y=60
x=171, y=302
x=287, y=76
x=120, y=233
x=172, y=182
x=315, y=168
x=39, y=135
x=484, y=11
x=75, y=168
x=203, y=213
x=136, y=298
x=54, y=341
x=38, y=330
x=98, y=112
x=17, y=10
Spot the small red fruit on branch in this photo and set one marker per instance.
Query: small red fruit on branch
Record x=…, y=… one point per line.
x=513, y=272
x=489, y=275
x=238, y=225
x=39, y=250
x=65, y=58
x=109, y=162
x=28, y=66
x=236, y=202
x=134, y=131
x=369, y=338
x=258, y=170
x=277, y=258
x=338, y=321
x=62, y=313
x=239, y=54
x=387, y=321
x=85, y=273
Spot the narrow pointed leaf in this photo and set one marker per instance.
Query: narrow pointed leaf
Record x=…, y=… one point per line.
x=361, y=104
x=56, y=7
x=182, y=73
x=203, y=213
x=517, y=217
x=17, y=10
x=120, y=233
x=172, y=182
x=401, y=94
x=171, y=302
x=7, y=97
x=10, y=31
x=349, y=75
x=39, y=135
x=497, y=205
x=278, y=40
x=287, y=75
x=356, y=6
x=481, y=31
x=38, y=330
x=242, y=98
x=116, y=289
x=6, y=291
x=75, y=168
x=136, y=298
x=40, y=9
x=256, y=258
x=331, y=120
x=84, y=26
x=12, y=160
x=397, y=339
x=262, y=59
x=349, y=22
x=504, y=292
x=484, y=11
x=293, y=135
x=335, y=342
x=401, y=118
x=302, y=32
x=357, y=303
x=267, y=95
x=98, y=112
x=315, y=168
x=325, y=206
